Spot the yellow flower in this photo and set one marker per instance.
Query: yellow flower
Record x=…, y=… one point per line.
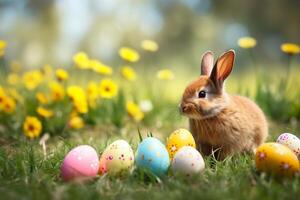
x=57, y=91
x=32, y=127
x=13, y=79
x=2, y=44
x=128, y=73
x=165, y=74
x=78, y=97
x=134, y=111
x=81, y=60
x=108, y=89
x=2, y=97
x=47, y=70
x=61, y=74
x=92, y=94
x=100, y=67
x=8, y=105
x=2, y=48
x=149, y=45
x=290, y=48
x=41, y=97
x=32, y=79
x=15, y=94
x=247, y=42
x=129, y=54
x=76, y=122
x=15, y=66
x=43, y=112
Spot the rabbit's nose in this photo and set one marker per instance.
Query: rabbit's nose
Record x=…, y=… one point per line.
x=184, y=108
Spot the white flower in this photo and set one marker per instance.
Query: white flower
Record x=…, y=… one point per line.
x=146, y=105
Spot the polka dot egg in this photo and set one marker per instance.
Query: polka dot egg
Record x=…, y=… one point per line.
x=276, y=159
x=153, y=155
x=178, y=139
x=187, y=161
x=80, y=162
x=291, y=141
x=117, y=158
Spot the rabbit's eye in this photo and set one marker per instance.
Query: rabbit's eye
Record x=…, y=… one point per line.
x=202, y=94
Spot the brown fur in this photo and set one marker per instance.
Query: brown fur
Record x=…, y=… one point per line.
x=222, y=123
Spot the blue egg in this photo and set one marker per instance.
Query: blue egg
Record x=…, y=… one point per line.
x=153, y=155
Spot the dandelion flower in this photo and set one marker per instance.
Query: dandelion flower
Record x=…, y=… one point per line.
x=76, y=122
x=247, y=42
x=81, y=60
x=47, y=70
x=41, y=98
x=108, y=89
x=78, y=97
x=134, y=111
x=61, y=75
x=2, y=97
x=290, y=48
x=92, y=94
x=2, y=44
x=2, y=48
x=32, y=79
x=128, y=73
x=129, y=54
x=57, y=91
x=149, y=45
x=165, y=74
x=9, y=105
x=13, y=79
x=100, y=68
x=32, y=127
x=43, y=112
x=13, y=92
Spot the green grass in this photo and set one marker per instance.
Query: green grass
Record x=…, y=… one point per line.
x=26, y=174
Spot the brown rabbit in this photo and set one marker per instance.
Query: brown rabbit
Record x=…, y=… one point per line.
x=221, y=123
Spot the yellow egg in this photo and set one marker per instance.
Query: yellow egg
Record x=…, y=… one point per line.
x=117, y=158
x=178, y=139
x=276, y=159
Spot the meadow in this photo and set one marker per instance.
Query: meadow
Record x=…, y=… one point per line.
x=46, y=112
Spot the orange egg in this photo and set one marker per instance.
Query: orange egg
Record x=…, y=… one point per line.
x=276, y=159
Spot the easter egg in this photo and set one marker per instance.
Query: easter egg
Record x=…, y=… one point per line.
x=187, y=161
x=152, y=155
x=291, y=141
x=80, y=162
x=178, y=139
x=117, y=158
x=276, y=159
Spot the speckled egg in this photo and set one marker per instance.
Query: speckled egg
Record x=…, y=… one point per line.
x=276, y=159
x=291, y=141
x=153, y=155
x=117, y=158
x=187, y=161
x=80, y=162
x=178, y=139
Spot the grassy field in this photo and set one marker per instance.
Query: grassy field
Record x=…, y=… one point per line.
x=28, y=172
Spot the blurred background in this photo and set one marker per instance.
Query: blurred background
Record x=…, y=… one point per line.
x=42, y=32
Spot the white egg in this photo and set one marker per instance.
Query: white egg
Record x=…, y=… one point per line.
x=188, y=161
x=291, y=141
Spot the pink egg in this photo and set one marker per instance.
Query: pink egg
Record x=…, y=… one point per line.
x=80, y=162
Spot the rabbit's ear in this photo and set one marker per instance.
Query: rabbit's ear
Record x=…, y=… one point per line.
x=222, y=68
x=207, y=63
